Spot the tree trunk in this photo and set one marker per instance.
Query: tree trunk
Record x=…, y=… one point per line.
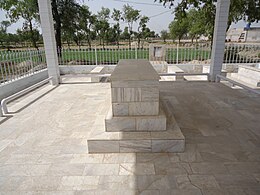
x=68, y=44
x=142, y=44
x=57, y=26
x=129, y=41
x=117, y=41
x=138, y=41
x=32, y=35
x=89, y=42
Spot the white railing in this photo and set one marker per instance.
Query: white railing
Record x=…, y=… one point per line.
x=189, y=53
x=242, y=53
x=100, y=56
x=20, y=63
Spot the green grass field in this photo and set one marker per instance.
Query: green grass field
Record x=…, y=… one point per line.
x=112, y=56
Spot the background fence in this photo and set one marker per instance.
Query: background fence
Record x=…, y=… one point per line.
x=20, y=63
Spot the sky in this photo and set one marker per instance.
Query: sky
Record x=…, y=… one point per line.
x=160, y=16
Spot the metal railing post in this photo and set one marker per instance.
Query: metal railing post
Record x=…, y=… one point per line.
x=96, y=55
x=1, y=112
x=135, y=51
x=31, y=60
x=177, y=57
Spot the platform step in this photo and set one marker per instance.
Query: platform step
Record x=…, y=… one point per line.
x=171, y=140
x=135, y=123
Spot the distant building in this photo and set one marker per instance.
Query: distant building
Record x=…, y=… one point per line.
x=247, y=34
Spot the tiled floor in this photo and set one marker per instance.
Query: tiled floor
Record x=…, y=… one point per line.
x=43, y=145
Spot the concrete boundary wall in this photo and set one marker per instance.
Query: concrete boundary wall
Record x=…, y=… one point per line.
x=160, y=68
x=86, y=69
x=22, y=83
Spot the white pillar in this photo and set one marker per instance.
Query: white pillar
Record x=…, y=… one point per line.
x=49, y=40
x=219, y=38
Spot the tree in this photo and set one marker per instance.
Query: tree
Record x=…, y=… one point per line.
x=24, y=35
x=64, y=16
x=178, y=28
x=199, y=24
x=4, y=25
x=101, y=25
x=25, y=9
x=130, y=15
x=86, y=23
x=125, y=34
x=248, y=10
x=164, y=35
x=3, y=31
x=147, y=33
x=57, y=24
x=117, y=16
x=141, y=29
x=112, y=34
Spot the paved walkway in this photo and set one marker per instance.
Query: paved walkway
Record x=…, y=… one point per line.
x=43, y=145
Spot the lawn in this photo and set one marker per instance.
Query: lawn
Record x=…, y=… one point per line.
x=111, y=56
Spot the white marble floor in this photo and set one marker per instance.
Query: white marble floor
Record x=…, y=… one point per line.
x=43, y=144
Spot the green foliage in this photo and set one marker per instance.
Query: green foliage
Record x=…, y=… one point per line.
x=17, y=9
x=117, y=16
x=66, y=21
x=4, y=25
x=74, y=22
x=179, y=28
x=101, y=25
x=194, y=24
x=23, y=9
x=200, y=23
x=125, y=35
x=142, y=29
x=86, y=22
x=164, y=35
x=130, y=15
x=249, y=10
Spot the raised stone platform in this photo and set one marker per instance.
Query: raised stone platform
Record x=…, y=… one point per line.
x=171, y=140
x=136, y=121
x=248, y=74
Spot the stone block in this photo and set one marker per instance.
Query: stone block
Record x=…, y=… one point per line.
x=117, y=94
x=176, y=69
x=143, y=108
x=120, y=124
x=135, y=146
x=168, y=145
x=132, y=94
x=120, y=109
x=135, y=84
x=151, y=124
x=120, y=94
x=98, y=146
x=157, y=52
x=95, y=79
x=150, y=94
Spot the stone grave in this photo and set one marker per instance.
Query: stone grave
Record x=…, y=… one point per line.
x=137, y=120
